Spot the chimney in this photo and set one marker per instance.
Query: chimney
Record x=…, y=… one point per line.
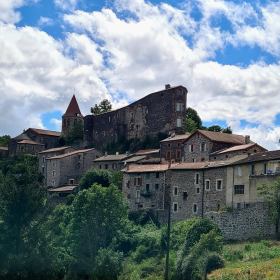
x=127, y=153
x=249, y=156
x=167, y=86
x=117, y=153
x=247, y=139
x=169, y=164
x=23, y=130
x=106, y=154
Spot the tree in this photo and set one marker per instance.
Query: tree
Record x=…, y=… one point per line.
x=193, y=115
x=4, y=140
x=227, y=130
x=190, y=126
x=215, y=128
x=103, y=107
x=271, y=195
x=117, y=179
x=76, y=133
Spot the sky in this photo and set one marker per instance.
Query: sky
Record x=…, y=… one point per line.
x=226, y=53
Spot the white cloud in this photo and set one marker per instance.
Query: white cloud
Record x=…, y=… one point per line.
x=57, y=123
x=44, y=21
x=66, y=4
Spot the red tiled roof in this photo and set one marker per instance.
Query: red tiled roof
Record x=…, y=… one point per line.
x=73, y=109
x=133, y=168
x=238, y=148
x=46, y=132
x=221, y=137
x=30, y=142
x=4, y=148
x=56, y=149
x=177, y=137
x=70, y=154
x=146, y=152
x=63, y=189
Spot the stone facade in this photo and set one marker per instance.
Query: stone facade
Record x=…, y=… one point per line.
x=172, y=149
x=111, y=163
x=162, y=111
x=69, y=168
x=244, y=223
x=51, y=153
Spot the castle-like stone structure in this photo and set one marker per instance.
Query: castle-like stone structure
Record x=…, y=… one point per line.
x=161, y=111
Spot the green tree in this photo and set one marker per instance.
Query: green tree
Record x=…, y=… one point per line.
x=76, y=133
x=271, y=195
x=117, y=179
x=4, y=140
x=215, y=128
x=190, y=126
x=193, y=115
x=105, y=106
x=95, y=110
x=99, y=176
x=227, y=130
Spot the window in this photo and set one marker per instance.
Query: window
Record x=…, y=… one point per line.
x=168, y=145
x=44, y=159
x=71, y=181
x=179, y=92
x=152, y=205
x=43, y=169
x=157, y=175
x=207, y=185
x=175, y=191
x=192, y=148
x=179, y=122
x=255, y=151
x=106, y=166
x=33, y=149
x=79, y=165
x=179, y=107
x=53, y=173
x=53, y=183
x=54, y=164
x=132, y=115
x=147, y=187
x=146, y=111
x=109, y=119
x=192, y=160
x=226, y=156
x=128, y=184
x=185, y=195
x=252, y=170
x=100, y=166
x=202, y=159
x=196, y=179
x=238, y=171
x=175, y=207
x=194, y=208
x=219, y=185
x=178, y=154
x=264, y=168
x=202, y=147
x=178, y=144
x=138, y=181
x=197, y=190
x=137, y=196
x=156, y=186
x=132, y=127
x=148, y=175
x=168, y=154
x=239, y=189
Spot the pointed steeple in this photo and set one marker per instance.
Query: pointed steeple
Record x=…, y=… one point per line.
x=73, y=109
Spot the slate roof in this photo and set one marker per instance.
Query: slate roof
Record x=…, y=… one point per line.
x=56, y=149
x=134, y=159
x=31, y=142
x=146, y=152
x=153, y=160
x=46, y=132
x=22, y=136
x=70, y=154
x=73, y=109
x=113, y=157
x=237, y=148
x=177, y=137
x=265, y=156
x=221, y=137
x=133, y=168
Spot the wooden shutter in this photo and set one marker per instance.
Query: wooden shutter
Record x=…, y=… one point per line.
x=134, y=181
x=140, y=181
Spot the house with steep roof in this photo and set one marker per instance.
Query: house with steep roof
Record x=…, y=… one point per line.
x=68, y=168
x=32, y=141
x=72, y=115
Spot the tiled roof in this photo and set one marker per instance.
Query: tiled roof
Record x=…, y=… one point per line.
x=73, y=108
x=177, y=137
x=63, y=189
x=22, y=136
x=146, y=152
x=265, y=156
x=56, y=149
x=30, y=142
x=46, y=132
x=133, y=168
x=70, y=154
x=134, y=159
x=153, y=160
x=221, y=137
x=113, y=157
x=237, y=148
x=3, y=148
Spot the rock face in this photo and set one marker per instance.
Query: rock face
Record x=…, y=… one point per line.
x=162, y=111
x=243, y=223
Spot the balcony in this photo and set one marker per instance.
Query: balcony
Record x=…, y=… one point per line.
x=146, y=193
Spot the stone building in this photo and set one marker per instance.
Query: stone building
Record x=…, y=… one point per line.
x=162, y=111
x=32, y=141
x=111, y=162
x=51, y=153
x=201, y=144
x=172, y=149
x=73, y=114
x=147, y=187
x=67, y=169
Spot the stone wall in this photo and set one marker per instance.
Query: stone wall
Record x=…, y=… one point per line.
x=173, y=147
x=109, y=165
x=156, y=112
x=242, y=224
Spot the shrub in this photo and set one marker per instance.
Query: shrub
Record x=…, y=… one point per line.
x=69, y=199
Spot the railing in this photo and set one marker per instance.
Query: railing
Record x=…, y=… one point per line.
x=146, y=193
x=269, y=173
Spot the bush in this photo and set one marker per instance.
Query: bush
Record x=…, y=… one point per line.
x=69, y=199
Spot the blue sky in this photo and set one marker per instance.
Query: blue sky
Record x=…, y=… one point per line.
x=225, y=52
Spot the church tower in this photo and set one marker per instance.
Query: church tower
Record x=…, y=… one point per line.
x=71, y=116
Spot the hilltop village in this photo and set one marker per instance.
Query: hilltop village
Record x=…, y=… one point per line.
x=195, y=173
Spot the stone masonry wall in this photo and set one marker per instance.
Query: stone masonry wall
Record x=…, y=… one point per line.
x=156, y=112
x=173, y=147
x=242, y=224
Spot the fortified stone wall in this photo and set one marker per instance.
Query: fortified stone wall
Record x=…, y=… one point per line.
x=157, y=112
x=242, y=224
